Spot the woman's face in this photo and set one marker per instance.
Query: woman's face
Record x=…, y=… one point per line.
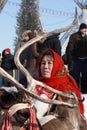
x=46, y=66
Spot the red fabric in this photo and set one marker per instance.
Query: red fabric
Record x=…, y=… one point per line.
x=7, y=123
x=33, y=122
x=42, y=90
x=60, y=79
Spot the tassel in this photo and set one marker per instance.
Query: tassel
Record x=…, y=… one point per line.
x=33, y=122
x=7, y=123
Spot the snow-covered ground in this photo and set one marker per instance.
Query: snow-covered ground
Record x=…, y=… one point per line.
x=85, y=104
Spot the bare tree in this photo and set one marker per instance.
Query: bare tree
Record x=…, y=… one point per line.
x=2, y=4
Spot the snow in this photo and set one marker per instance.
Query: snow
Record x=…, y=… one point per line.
x=85, y=104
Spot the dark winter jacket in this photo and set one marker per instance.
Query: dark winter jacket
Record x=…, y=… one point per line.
x=8, y=62
x=52, y=42
x=77, y=48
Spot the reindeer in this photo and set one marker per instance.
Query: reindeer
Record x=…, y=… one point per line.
x=66, y=117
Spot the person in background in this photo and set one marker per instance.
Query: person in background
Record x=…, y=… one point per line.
x=52, y=72
x=76, y=52
x=52, y=42
x=31, y=52
x=7, y=64
x=29, y=56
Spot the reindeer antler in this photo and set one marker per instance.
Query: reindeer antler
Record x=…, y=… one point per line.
x=32, y=82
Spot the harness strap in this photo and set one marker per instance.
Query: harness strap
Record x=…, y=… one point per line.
x=19, y=106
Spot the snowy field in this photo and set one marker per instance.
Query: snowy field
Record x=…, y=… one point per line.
x=85, y=104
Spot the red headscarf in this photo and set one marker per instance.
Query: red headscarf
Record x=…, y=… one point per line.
x=60, y=78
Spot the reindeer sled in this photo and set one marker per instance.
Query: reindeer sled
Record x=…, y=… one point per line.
x=17, y=110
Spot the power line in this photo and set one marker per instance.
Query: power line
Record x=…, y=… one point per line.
x=59, y=22
x=46, y=11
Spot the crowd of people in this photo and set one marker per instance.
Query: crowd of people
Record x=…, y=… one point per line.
x=45, y=63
